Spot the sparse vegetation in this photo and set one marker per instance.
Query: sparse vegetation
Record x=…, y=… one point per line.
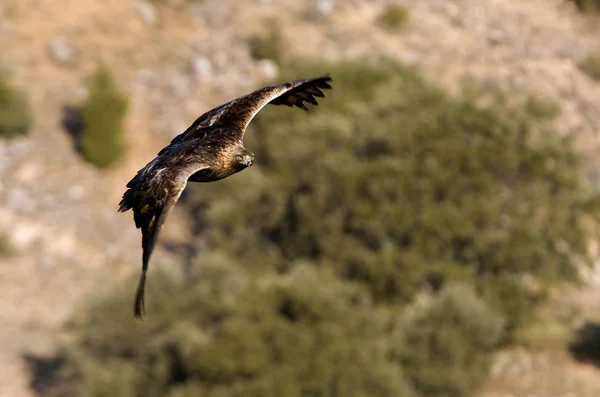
x=587, y=5
x=6, y=248
x=15, y=114
x=591, y=66
x=102, y=141
x=393, y=17
x=269, y=46
x=541, y=108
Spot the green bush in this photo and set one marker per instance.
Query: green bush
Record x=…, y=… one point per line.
x=448, y=341
x=541, y=108
x=394, y=184
x=269, y=46
x=508, y=295
x=15, y=114
x=591, y=66
x=393, y=16
x=102, y=140
x=587, y=5
x=223, y=333
x=6, y=248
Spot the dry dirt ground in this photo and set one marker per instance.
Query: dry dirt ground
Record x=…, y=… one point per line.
x=176, y=59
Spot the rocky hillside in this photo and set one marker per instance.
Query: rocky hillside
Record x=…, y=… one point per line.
x=178, y=58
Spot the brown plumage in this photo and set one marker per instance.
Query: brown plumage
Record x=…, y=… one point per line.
x=209, y=150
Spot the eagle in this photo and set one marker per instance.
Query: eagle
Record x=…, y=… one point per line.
x=209, y=150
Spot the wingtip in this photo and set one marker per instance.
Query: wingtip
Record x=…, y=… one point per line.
x=323, y=81
x=126, y=201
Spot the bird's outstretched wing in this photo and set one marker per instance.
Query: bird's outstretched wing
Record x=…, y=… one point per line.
x=151, y=194
x=235, y=115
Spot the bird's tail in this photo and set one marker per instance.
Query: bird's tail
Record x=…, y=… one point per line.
x=150, y=198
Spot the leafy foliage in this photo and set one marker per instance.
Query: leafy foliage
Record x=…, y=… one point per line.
x=448, y=341
x=223, y=332
x=102, y=141
x=394, y=16
x=506, y=294
x=227, y=334
x=15, y=114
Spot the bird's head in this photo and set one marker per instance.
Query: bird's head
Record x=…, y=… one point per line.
x=244, y=158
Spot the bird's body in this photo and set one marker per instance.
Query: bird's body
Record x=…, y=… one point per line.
x=209, y=150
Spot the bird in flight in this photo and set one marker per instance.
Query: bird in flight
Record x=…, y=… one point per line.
x=209, y=150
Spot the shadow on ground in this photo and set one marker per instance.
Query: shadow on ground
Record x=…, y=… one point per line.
x=586, y=344
x=44, y=373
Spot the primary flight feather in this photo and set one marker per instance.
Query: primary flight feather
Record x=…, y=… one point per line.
x=209, y=150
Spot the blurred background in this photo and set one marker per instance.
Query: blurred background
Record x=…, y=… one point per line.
x=430, y=230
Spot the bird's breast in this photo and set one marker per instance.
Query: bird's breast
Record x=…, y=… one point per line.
x=212, y=174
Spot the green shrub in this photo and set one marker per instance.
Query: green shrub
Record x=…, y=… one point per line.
x=393, y=17
x=591, y=66
x=6, y=248
x=448, y=341
x=269, y=46
x=223, y=333
x=15, y=114
x=102, y=140
x=509, y=296
x=587, y=5
x=394, y=184
x=541, y=108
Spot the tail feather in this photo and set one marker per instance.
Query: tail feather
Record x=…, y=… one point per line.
x=139, y=307
x=151, y=198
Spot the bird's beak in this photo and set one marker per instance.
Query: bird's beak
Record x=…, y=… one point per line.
x=248, y=161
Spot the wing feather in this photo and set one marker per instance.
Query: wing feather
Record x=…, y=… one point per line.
x=235, y=115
